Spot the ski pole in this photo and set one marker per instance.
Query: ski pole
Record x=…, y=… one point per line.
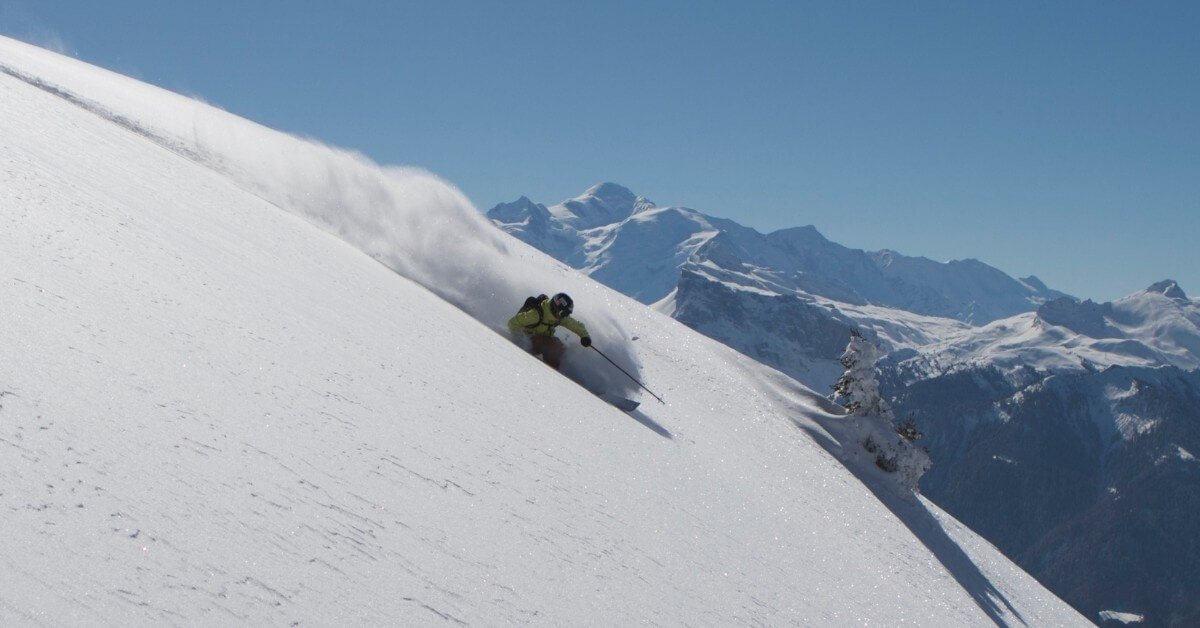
x=629, y=376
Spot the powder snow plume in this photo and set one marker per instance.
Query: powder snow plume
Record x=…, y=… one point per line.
x=407, y=218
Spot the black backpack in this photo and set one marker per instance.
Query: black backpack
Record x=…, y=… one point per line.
x=534, y=303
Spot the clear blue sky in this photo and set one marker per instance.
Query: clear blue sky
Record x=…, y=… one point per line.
x=1060, y=139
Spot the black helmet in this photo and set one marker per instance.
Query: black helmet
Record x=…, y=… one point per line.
x=561, y=305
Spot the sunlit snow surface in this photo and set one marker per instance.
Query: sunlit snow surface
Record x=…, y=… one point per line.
x=214, y=411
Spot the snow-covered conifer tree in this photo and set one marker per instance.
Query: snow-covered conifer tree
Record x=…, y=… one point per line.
x=874, y=423
x=858, y=390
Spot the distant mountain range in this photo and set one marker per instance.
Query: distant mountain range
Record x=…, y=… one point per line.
x=1155, y=327
x=631, y=244
x=1065, y=431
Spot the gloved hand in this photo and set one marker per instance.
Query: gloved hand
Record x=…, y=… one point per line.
x=586, y=341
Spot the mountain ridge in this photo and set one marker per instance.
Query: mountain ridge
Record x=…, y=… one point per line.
x=1152, y=327
x=801, y=258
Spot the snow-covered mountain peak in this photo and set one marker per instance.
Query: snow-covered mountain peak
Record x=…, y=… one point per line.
x=517, y=211
x=1034, y=284
x=799, y=238
x=602, y=204
x=1168, y=288
x=616, y=196
x=1160, y=302
x=886, y=257
x=1084, y=317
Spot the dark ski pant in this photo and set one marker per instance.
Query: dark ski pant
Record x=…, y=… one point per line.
x=549, y=347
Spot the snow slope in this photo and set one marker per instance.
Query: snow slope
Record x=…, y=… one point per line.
x=213, y=410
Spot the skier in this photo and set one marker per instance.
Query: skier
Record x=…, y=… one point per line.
x=539, y=318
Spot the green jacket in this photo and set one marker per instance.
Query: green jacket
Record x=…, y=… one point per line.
x=527, y=322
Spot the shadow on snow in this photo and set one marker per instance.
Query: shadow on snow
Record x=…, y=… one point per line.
x=644, y=419
x=909, y=510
